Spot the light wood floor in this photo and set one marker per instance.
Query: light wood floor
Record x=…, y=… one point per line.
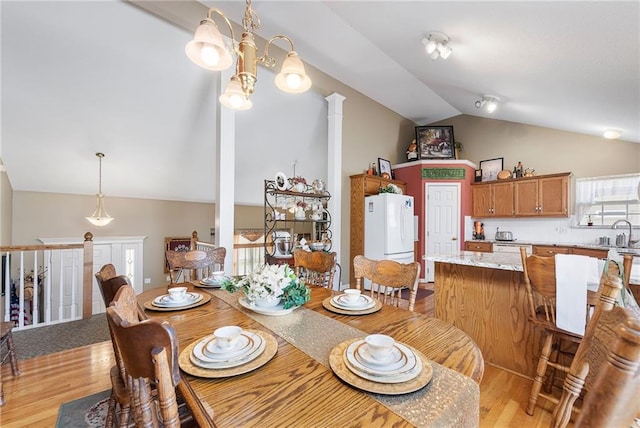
x=33, y=399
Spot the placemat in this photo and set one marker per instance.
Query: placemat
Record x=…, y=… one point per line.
x=150, y=306
x=270, y=350
x=326, y=303
x=336, y=360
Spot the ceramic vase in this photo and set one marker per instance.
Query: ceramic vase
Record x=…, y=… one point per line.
x=299, y=214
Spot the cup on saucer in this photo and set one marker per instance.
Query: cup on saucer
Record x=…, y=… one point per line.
x=177, y=294
x=380, y=345
x=353, y=295
x=217, y=275
x=227, y=336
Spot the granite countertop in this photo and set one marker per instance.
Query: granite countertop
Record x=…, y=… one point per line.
x=621, y=250
x=504, y=261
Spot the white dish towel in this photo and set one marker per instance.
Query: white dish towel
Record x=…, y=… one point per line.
x=573, y=272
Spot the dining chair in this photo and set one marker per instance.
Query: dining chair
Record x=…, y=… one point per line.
x=315, y=267
x=6, y=338
x=388, y=279
x=148, y=354
x=199, y=263
x=539, y=275
x=606, y=366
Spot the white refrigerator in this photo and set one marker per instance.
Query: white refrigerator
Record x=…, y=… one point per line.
x=388, y=227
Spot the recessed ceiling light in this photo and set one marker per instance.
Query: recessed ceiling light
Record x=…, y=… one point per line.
x=612, y=134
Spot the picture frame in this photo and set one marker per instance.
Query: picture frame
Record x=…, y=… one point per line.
x=435, y=142
x=478, y=176
x=384, y=166
x=281, y=180
x=175, y=243
x=490, y=168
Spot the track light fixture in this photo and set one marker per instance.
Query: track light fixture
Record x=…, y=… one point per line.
x=435, y=44
x=489, y=102
x=208, y=50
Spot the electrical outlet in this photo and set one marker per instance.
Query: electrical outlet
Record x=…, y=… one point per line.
x=147, y=280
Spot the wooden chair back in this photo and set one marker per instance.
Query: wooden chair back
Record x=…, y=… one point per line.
x=315, y=267
x=199, y=263
x=149, y=352
x=540, y=285
x=606, y=365
x=388, y=278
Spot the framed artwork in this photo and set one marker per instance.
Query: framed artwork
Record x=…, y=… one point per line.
x=478, y=175
x=281, y=181
x=384, y=166
x=182, y=243
x=490, y=168
x=435, y=142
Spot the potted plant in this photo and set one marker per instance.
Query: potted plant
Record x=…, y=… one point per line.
x=271, y=285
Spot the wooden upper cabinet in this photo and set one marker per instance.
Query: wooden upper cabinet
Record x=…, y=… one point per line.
x=492, y=200
x=543, y=196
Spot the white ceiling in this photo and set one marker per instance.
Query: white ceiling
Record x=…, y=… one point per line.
x=81, y=77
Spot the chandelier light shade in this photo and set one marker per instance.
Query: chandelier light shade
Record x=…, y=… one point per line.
x=208, y=50
x=435, y=45
x=100, y=217
x=489, y=102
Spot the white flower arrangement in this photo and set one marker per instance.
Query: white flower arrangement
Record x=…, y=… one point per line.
x=272, y=282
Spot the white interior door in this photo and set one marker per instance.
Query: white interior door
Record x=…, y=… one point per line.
x=102, y=255
x=442, y=231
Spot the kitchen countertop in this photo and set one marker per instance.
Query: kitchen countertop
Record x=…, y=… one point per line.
x=503, y=261
x=621, y=250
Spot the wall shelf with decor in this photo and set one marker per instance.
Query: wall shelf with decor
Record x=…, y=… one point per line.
x=291, y=214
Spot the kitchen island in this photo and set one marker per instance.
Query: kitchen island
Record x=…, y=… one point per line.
x=483, y=294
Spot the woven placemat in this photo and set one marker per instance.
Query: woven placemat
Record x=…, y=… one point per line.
x=337, y=363
x=205, y=299
x=326, y=303
x=271, y=348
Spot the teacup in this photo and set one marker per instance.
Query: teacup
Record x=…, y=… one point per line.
x=227, y=336
x=380, y=345
x=353, y=295
x=217, y=275
x=177, y=293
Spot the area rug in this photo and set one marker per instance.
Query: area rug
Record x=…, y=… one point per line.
x=422, y=293
x=90, y=411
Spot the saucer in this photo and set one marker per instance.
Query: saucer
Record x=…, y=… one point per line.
x=394, y=358
x=405, y=363
x=213, y=350
x=198, y=358
x=341, y=301
x=165, y=301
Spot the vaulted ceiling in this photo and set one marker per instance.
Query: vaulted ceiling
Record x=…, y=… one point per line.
x=81, y=77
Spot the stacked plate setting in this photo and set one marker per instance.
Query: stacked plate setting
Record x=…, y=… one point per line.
x=401, y=365
x=165, y=301
x=209, y=355
x=342, y=301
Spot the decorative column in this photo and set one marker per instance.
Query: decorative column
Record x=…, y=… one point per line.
x=334, y=170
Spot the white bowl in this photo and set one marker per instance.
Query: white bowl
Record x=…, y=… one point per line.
x=177, y=294
x=227, y=336
x=353, y=295
x=380, y=345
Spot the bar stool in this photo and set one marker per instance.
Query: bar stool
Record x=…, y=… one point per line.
x=7, y=338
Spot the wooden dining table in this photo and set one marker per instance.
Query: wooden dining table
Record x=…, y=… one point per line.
x=297, y=387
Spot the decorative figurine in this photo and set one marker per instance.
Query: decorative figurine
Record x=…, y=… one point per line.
x=412, y=151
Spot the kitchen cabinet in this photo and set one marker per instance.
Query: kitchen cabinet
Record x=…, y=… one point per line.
x=550, y=250
x=541, y=196
x=363, y=185
x=295, y=214
x=590, y=252
x=545, y=196
x=481, y=247
x=492, y=199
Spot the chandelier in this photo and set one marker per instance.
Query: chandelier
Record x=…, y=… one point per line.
x=100, y=216
x=208, y=50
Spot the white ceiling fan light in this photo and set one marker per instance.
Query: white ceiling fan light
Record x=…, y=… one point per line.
x=489, y=102
x=435, y=45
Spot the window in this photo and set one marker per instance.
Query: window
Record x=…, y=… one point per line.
x=603, y=200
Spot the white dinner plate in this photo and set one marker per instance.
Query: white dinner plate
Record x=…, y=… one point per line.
x=393, y=361
x=393, y=371
x=214, y=351
x=165, y=301
x=200, y=359
x=274, y=311
x=210, y=282
x=365, y=302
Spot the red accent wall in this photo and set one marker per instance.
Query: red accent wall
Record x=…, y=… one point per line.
x=411, y=173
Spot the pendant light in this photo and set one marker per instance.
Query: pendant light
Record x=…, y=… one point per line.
x=100, y=216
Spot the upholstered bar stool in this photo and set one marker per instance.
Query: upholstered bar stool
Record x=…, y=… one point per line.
x=6, y=338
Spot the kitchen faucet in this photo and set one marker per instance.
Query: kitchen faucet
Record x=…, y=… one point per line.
x=630, y=242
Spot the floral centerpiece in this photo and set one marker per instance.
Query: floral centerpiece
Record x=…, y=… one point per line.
x=271, y=285
x=299, y=183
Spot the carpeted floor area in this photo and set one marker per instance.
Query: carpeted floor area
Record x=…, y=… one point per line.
x=85, y=412
x=53, y=338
